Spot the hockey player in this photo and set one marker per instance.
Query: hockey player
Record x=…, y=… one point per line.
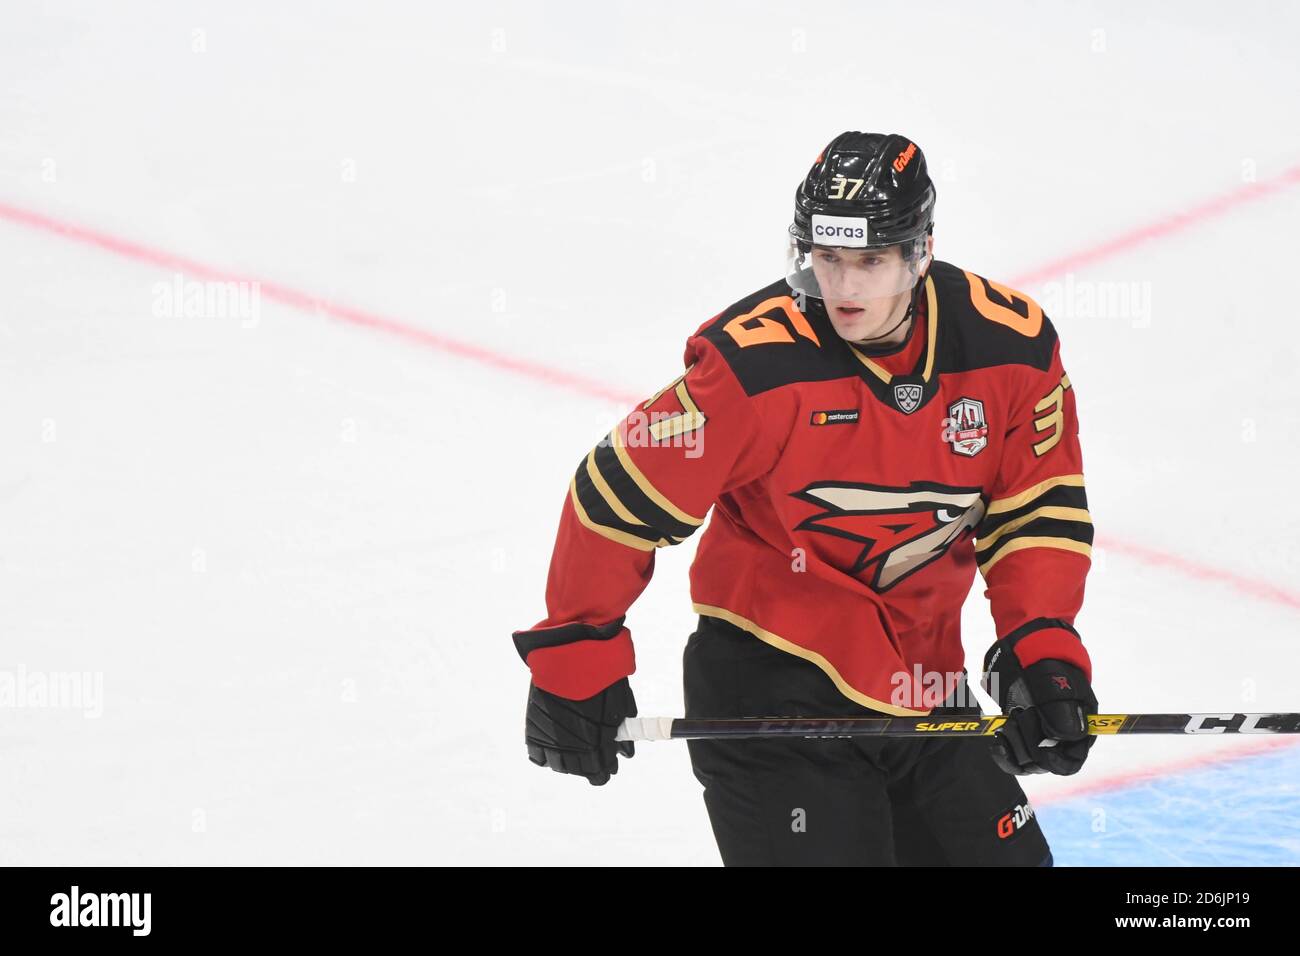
x=869, y=432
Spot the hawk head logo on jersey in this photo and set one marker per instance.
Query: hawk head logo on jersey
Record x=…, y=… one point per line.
x=882, y=534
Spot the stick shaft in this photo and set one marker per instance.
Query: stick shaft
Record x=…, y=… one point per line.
x=974, y=725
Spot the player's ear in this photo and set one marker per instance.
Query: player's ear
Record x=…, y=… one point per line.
x=928, y=257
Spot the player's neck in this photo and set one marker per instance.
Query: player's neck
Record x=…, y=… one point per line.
x=891, y=340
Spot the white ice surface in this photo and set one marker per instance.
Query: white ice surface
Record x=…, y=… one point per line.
x=295, y=551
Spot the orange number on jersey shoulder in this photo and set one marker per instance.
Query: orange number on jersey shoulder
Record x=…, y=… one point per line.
x=1005, y=313
x=755, y=328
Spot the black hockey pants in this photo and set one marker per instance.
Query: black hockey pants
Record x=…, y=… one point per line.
x=860, y=801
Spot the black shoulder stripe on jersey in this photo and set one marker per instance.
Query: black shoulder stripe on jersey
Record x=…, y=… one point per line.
x=776, y=337
x=1042, y=530
x=623, y=493
x=970, y=339
x=766, y=349
x=602, y=513
x=1072, y=497
x=629, y=494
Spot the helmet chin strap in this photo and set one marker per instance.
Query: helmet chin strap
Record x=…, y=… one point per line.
x=911, y=306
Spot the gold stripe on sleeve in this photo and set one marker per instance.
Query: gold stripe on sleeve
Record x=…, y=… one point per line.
x=613, y=534
x=1020, y=544
x=1029, y=494
x=606, y=492
x=643, y=483
x=1068, y=514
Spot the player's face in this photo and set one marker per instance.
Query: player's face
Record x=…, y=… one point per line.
x=861, y=288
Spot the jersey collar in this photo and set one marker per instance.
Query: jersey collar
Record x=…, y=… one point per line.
x=906, y=393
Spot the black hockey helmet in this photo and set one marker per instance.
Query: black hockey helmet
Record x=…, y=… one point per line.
x=877, y=177
x=865, y=191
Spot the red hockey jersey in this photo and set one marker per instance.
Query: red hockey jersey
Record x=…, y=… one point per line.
x=852, y=506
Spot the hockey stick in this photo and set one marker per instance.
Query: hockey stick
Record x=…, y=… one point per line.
x=975, y=725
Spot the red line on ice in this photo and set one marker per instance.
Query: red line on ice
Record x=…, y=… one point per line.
x=570, y=380
x=313, y=303
x=1192, y=569
x=1131, y=778
x=1169, y=225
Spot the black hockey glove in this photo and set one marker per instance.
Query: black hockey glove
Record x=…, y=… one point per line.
x=1047, y=706
x=577, y=736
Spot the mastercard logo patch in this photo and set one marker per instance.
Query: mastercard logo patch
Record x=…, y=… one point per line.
x=839, y=416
